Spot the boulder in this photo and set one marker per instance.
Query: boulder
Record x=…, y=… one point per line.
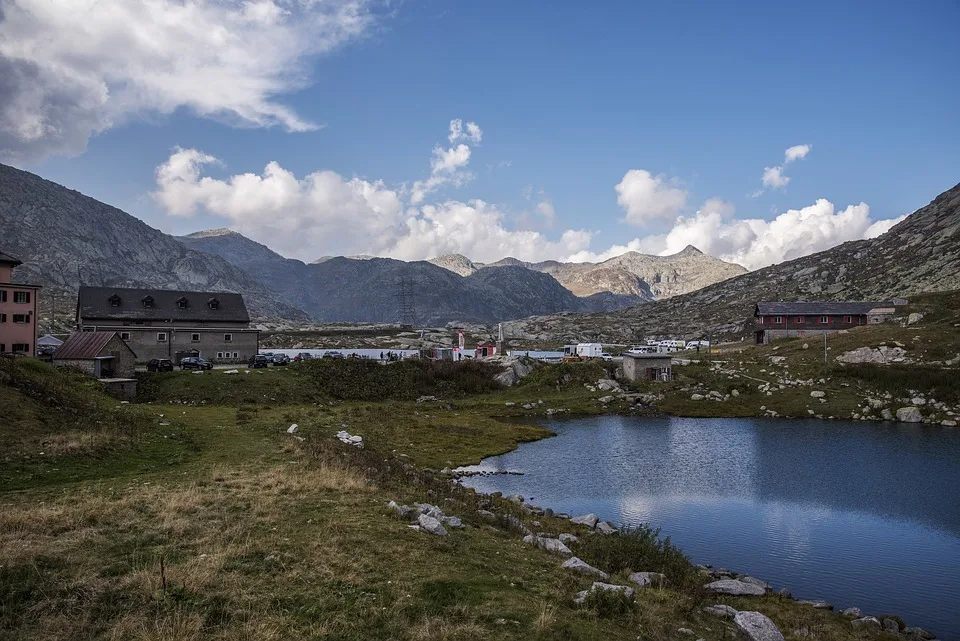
x=758, y=582
x=590, y=520
x=576, y=565
x=914, y=317
x=852, y=612
x=720, y=610
x=607, y=385
x=869, y=623
x=754, y=626
x=554, y=546
x=605, y=528
x=453, y=522
x=891, y=626
x=608, y=587
x=429, y=524
x=567, y=539
x=735, y=588
x=648, y=579
x=292, y=429
x=232, y=371
x=918, y=634
x=886, y=414
x=817, y=394
x=401, y=512
x=909, y=415
x=487, y=516
x=606, y=399
x=696, y=397
x=816, y=604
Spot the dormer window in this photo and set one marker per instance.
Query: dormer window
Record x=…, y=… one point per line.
x=213, y=303
x=114, y=301
x=147, y=301
x=182, y=302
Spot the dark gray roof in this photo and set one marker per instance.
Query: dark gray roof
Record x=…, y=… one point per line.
x=8, y=259
x=816, y=308
x=94, y=304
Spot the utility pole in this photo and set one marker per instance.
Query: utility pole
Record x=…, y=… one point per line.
x=405, y=300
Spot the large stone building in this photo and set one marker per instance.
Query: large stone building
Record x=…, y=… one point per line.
x=171, y=324
x=18, y=311
x=804, y=318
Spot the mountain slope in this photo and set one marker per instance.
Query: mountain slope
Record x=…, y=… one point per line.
x=920, y=254
x=62, y=236
x=353, y=290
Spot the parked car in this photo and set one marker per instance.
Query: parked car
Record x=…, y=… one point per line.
x=159, y=365
x=605, y=356
x=281, y=359
x=303, y=356
x=334, y=355
x=258, y=360
x=195, y=362
x=269, y=355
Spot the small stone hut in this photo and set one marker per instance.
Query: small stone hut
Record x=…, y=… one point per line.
x=647, y=367
x=100, y=354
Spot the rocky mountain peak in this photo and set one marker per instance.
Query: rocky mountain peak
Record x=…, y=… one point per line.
x=457, y=263
x=212, y=233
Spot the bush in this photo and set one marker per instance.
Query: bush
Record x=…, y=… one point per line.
x=639, y=549
x=566, y=375
x=609, y=603
x=941, y=384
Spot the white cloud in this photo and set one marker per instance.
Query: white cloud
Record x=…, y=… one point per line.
x=797, y=152
x=325, y=213
x=648, y=198
x=70, y=69
x=546, y=210
x=473, y=133
x=756, y=243
x=773, y=177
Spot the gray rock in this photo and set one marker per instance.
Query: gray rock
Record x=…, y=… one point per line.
x=648, y=579
x=918, y=634
x=514, y=523
x=870, y=623
x=735, y=588
x=402, y=512
x=568, y=538
x=720, y=610
x=696, y=397
x=817, y=394
x=453, y=522
x=576, y=565
x=554, y=546
x=606, y=399
x=292, y=429
x=886, y=414
x=852, y=612
x=914, y=317
x=754, y=626
x=909, y=415
x=891, y=626
x=605, y=528
x=487, y=516
x=816, y=604
x=758, y=582
x=590, y=520
x=429, y=524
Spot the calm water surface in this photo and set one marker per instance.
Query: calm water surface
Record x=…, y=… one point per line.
x=864, y=515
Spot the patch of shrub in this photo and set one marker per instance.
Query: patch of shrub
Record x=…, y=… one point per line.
x=935, y=382
x=562, y=376
x=639, y=549
x=608, y=604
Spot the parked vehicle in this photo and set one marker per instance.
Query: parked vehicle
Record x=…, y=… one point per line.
x=605, y=356
x=335, y=355
x=159, y=365
x=195, y=362
x=302, y=356
x=258, y=360
x=281, y=359
x=269, y=355
x=589, y=350
x=643, y=349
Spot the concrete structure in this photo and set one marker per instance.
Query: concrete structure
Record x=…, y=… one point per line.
x=99, y=354
x=18, y=311
x=805, y=318
x=171, y=324
x=647, y=367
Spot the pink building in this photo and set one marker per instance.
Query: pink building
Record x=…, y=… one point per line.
x=18, y=311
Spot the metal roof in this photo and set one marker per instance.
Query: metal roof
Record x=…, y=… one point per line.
x=816, y=308
x=95, y=304
x=84, y=345
x=9, y=260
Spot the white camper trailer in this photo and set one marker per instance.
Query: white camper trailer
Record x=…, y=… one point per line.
x=590, y=350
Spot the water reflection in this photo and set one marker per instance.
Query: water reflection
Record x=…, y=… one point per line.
x=863, y=514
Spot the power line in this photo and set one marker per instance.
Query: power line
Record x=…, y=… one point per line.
x=408, y=317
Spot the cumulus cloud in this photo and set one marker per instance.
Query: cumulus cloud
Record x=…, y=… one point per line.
x=447, y=165
x=648, y=198
x=70, y=69
x=325, y=213
x=756, y=243
x=773, y=177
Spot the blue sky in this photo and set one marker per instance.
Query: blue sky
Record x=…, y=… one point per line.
x=701, y=96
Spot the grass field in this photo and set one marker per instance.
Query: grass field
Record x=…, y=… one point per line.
x=197, y=516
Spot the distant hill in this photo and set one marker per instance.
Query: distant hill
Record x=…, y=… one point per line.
x=919, y=254
x=63, y=236
x=366, y=289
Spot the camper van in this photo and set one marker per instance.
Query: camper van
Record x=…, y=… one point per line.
x=590, y=350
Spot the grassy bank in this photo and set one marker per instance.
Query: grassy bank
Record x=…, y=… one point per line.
x=205, y=519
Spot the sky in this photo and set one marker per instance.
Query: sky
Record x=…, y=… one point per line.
x=756, y=132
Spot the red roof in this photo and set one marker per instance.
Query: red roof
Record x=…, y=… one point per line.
x=83, y=345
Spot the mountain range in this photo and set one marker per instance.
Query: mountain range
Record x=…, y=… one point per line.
x=919, y=254
x=65, y=238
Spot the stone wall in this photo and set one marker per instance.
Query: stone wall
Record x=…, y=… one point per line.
x=646, y=367
x=210, y=343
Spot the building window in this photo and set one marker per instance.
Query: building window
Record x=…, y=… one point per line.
x=3, y=348
x=3, y=318
x=182, y=302
x=161, y=337
x=147, y=301
x=235, y=355
x=761, y=320
x=228, y=338
x=195, y=338
x=777, y=320
x=114, y=301
x=19, y=348
x=21, y=297
x=3, y=295
x=800, y=320
x=219, y=354
x=21, y=318
x=125, y=336
x=213, y=303
x=847, y=319
x=824, y=320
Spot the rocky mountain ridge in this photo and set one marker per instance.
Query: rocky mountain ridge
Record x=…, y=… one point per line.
x=64, y=237
x=919, y=254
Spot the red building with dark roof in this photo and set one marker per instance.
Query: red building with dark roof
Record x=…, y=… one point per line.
x=18, y=311
x=794, y=319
